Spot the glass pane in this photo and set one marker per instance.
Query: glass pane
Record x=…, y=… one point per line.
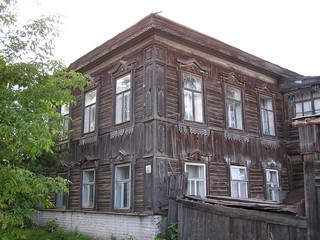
x=317, y=106
x=86, y=120
x=233, y=93
x=126, y=194
x=198, y=107
x=271, y=123
x=200, y=188
x=238, y=173
x=123, y=173
x=191, y=187
x=123, y=84
x=118, y=190
x=118, y=109
x=192, y=82
x=238, y=116
x=188, y=106
x=90, y=98
x=243, y=189
x=91, y=195
x=307, y=108
x=298, y=109
x=234, y=189
x=195, y=171
x=126, y=110
x=92, y=118
x=264, y=122
x=231, y=115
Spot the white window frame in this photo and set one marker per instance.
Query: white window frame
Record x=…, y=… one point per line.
x=123, y=101
x=193, y=99
x=312, y=102
x=89, y=115
x=88, y=189
x=273, y=187
x=193, y=183
x=234, y=109
x=241, y=184
x=65, y=112
x=122, y=199
x=267, y=117
x=61, y=197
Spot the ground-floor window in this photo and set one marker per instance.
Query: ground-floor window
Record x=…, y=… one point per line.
x=239, y=181
x=122, y=188
x=88, y=188
x=196, y=179
x=272, y=185
x=61, y=196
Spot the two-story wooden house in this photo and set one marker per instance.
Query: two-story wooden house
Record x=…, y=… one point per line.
x=166, y=99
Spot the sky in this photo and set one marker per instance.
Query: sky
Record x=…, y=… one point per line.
x=284, y=32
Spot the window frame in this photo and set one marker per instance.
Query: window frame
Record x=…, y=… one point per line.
x=83, y=192
x=271, y=190
x=268, y=111
x=234, y=101
x=65, y=122
x=312, y=100
x=239, y=182
x=196, y=180
x=121, y=207
x=62, y=195
x=89, y=106
x=194, y=92
x=122, y=93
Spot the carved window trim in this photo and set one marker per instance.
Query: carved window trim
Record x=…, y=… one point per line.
x=272, y=165
x=192, y=67
x=89, y=183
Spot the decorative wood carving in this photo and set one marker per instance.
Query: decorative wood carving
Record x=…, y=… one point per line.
x=148, y=137
x=148, y=54
x=274, y=143
x=121, y=132
x=271, y=163
x=88, y=140
x=236, y=137
x=123, y=66
x=160, y=78
x=197, y=156
x=160, y=53
x=122, y=157
x=161, y=137
x=148, y=104
x=232, y=78
x=194, y=130
x=192, y=65
x=160, y=103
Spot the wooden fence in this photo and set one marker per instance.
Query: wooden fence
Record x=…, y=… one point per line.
x=201, y=219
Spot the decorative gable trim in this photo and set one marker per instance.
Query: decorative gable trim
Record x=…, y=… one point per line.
x=193, y=65
x=232, y=78
x=122, y=67
x=122, y=157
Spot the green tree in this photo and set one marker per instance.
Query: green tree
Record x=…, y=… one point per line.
x=33, y=85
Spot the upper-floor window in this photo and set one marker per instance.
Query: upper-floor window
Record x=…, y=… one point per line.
x=89, y=123
x=239, y=182
x=193, y=97
x=234, y=107
x=122, y=187
x=196, y=179
x=307, y=104
x=272, y=185
x=88, y=188
x=123, y=99
x=65, y=111
x=267, y=116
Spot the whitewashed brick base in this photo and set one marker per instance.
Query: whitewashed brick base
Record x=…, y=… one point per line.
x=104, y=225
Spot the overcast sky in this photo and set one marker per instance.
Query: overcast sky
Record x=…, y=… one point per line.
x=284, y=32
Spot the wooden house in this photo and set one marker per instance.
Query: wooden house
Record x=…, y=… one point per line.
x=164, y=100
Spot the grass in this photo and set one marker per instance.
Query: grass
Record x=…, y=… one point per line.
x=51, y=231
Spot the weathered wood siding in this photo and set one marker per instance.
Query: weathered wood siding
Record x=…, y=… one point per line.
x=205, y=221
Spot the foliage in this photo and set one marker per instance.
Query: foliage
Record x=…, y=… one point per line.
x=33, y=85
x=41, y=233
x=174, y=232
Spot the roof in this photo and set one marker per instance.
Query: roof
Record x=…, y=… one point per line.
x=155, y=23
x=299, y=82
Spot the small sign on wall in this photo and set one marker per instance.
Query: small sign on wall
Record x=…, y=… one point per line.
x=148, y=169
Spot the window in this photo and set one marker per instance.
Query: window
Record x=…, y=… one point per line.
x=239, y=182
x=123, y=99
x=196, y=179
x=272, y=185
x=88, y=188
x=307, y=104
x=192, y=92
x=65, y=111
x=61, y=197
x=234, y=108
x=89, y=124
x=122, y=189
x=267, y=116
